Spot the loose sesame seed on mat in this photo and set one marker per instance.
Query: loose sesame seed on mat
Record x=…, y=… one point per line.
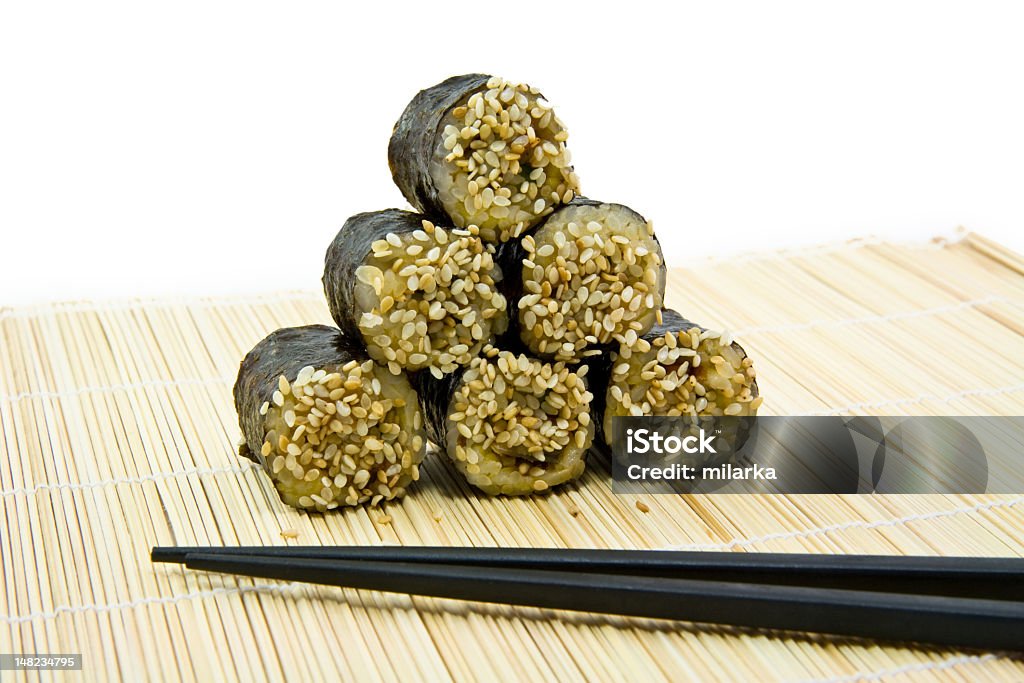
x=117, y=433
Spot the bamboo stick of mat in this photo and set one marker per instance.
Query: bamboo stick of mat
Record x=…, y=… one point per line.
x=989, y=578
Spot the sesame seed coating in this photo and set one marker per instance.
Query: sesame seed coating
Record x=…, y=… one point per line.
x=513, y=424
x=592, y=274
x=346, y=431
x=421, y=297
x=680, y=369
x=483, y=151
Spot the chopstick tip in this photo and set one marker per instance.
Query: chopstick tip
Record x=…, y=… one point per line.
x=168, y=554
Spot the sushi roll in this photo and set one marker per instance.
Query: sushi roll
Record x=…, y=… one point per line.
x=511, y=424
x=592, y=274
x=329, y=427
x=678, y=368
x=482, y=151
x=420, y=297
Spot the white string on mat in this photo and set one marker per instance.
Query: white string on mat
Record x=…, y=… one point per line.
x=844, y=526
x=142, y=602
x=36, y=310
x=887, y=317
x=935, y=243
x=882, y=674
x=75, y=609
x=141, y=479
x=111, y=388
x=948, y=398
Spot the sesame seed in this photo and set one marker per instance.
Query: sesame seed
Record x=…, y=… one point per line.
x=668, y=383
x=514, y=420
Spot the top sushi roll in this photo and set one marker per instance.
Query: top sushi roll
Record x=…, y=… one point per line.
x=482, y=151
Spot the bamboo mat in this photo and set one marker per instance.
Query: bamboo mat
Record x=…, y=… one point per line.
x=118, y=433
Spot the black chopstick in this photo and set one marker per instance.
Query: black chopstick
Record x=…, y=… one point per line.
x=959, y=622
x=989, y=578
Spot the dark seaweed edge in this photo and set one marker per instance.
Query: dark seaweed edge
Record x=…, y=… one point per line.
x=284, y=352
x=435, y=397
x=349, y=250
x=414, y=140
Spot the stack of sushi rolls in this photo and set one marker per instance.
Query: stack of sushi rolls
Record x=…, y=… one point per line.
x=507, y=319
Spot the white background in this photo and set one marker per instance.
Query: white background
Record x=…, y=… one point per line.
x=212, y=147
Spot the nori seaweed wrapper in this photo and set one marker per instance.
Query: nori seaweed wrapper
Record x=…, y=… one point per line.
x=349, y=250
x=435, y=399
x=414, y=140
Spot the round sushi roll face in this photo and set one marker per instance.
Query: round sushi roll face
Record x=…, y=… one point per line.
x=483, y=151
x=355, y=451
x=517, y=425
x=420, y=297
x=593, y=273
x=501, y=162
x=428, y=299
x=685, y=371
x=340, y=431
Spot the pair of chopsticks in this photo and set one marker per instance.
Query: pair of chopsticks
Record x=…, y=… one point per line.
x=956, y=601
